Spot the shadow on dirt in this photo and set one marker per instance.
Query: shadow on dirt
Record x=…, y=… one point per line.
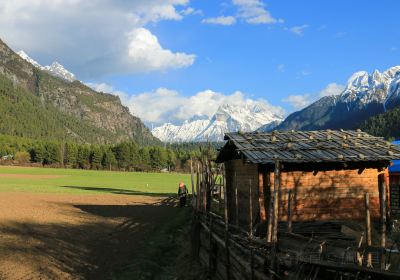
x=119, y=191
x=91, y=250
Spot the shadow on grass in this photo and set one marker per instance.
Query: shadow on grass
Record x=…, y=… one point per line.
x=92, y=250
x=119, y=191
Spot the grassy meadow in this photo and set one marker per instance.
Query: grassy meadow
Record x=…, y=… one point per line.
x=73, y=181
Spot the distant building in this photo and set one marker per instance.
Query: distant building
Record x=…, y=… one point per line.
x=394, y=175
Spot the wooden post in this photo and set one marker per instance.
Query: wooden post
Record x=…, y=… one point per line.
x=236, y=202
x=277, y=185
x=368, y=228
x=382, y=203
x=261, y=201
x=192, y=181
x=198, y=188
x=228, y=274
x=289, y=213
x=250, y=211
x=270, y=211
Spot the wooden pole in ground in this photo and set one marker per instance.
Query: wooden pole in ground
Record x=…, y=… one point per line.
x=270, y=211
x=382, y=203
x=236, y=202
x=289, y=214
x=198, y=188
x=368, y=228
x=192, y=181
x=250, y=211
x=261, y=201
x=228, y=274
x=277, y=183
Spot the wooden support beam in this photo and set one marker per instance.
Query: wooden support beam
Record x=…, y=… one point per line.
x=368, y=228
x=198, y=188
x=261, y=195
x=382, y=204
x=277, y=185
x=250, y=210
x=228, y=273
x=236, y=202
x=270, y=211
x=192, y=181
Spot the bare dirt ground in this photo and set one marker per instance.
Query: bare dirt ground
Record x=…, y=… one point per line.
x=50, y=236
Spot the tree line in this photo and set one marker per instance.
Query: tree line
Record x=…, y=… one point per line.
x=127, y=156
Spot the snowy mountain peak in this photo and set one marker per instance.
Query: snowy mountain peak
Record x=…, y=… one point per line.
x=55, y=69
x=228, y=118
x=26, y=57
x=364, y=88
x=58, y=70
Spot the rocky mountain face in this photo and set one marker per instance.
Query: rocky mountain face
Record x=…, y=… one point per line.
x=365, y=95
x=71, y=109
x=228, y=118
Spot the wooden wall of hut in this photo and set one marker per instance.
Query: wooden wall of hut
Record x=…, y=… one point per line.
x=317, y=196
x=240, y=175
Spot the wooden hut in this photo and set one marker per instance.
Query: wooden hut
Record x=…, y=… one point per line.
x=394, y=179
x=322, y=175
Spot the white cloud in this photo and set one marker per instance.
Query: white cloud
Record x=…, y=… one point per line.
x=165, y=105
x=298, y=101
x=222, y=20
x=299, y=30
x=190, y=11
x=89, y=37
x=332, y=89
x=302, y=100
x=254, y=12
x=146, y=53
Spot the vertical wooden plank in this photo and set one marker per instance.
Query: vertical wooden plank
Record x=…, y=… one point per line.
x=270, y=211
x=192, y=181
x=277, y=185
x=261, y=195
x=236, y=202
x=368, y=228
x=228, y=274
x=382, y=203
x=198, y=188
x=289, y=214
x=250, y=210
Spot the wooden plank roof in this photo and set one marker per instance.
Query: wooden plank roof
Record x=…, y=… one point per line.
x=328, y=146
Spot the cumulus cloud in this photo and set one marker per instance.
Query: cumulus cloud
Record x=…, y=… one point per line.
x=146, y=53
x=299, y=30
x=332, y=89
x=89, y=37
x=222, y=20
x=302, y=100
x=298, y=101
x=165, y=105
x=254, y=12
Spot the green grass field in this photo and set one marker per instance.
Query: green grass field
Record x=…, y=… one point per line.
x=51, y=180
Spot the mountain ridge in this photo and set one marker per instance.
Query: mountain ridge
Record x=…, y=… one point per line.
x=365, y=96
x=81, y=114
x=227, y=118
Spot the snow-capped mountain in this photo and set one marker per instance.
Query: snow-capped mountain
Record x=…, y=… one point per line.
x=365, y=95
x=228, y=118
x=55, y=69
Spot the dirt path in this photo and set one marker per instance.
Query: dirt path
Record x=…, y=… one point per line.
x=46, y=236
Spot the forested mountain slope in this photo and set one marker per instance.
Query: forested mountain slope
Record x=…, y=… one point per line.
x=35, y=104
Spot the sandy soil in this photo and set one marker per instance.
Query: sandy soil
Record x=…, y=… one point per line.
x=52, y=236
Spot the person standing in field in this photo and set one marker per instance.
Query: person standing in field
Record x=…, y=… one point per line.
x=182, y=194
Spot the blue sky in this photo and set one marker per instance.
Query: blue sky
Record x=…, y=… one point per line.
x=284, y=53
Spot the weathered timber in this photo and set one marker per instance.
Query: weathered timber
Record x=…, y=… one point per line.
x=289, y=222
x=368, y=228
